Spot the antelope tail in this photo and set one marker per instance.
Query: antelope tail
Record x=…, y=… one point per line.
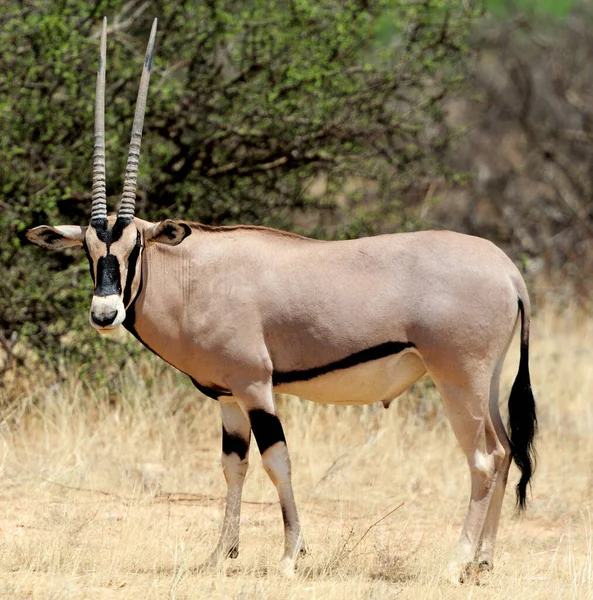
x=522, y=415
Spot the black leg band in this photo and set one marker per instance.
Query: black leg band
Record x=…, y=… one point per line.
x=233, y=443
x=267, y=429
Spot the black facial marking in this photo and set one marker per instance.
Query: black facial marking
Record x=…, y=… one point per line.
x=374, y=353
x=234, y=443
x=267, y=429
x=110, y=236
x=108, y=276
x=108, y=270
x=132, y=262
x=118, y=227
x=99, y=224
x=88, y=255
x=212, y=391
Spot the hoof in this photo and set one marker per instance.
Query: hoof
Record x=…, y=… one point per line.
x=217, y=558
x=463, y=574
x=469, y=572
x=287, y=567
x=212, y=562
x=485, y=566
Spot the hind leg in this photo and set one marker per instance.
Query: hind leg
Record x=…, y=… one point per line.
x=486, y=553
x=466, y=398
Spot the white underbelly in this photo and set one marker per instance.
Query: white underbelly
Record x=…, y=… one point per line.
x=374, y=381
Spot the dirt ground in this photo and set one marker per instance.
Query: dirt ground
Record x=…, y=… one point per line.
x=126, y=502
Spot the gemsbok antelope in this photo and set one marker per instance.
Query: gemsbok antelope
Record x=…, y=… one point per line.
x=248, y=311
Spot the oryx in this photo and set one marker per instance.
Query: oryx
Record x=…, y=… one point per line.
x=249, y=311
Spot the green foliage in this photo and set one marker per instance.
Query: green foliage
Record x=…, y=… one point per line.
x=249, y=103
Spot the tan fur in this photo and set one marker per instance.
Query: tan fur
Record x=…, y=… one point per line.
x=296, y=306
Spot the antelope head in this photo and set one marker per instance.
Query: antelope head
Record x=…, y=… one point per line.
x=113, y=244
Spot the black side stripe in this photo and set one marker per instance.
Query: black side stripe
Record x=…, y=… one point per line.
x=368, y=355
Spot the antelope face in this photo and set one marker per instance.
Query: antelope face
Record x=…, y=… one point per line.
x=113, y=246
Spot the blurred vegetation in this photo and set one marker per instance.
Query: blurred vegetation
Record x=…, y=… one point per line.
x=251, y=104
x=531, y=8
x=530, y=147
x=333, y=119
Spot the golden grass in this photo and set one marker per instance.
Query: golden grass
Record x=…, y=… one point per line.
x=100, y=501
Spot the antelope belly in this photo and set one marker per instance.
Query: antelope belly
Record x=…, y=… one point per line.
x=374, y=381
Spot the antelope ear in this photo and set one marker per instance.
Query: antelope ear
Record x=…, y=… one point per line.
x=167, y=232
x=56, y=238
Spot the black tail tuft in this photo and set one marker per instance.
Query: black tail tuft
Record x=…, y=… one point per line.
x=523, y=419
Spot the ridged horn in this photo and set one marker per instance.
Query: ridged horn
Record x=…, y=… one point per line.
x=128, y=200
x=99, y=202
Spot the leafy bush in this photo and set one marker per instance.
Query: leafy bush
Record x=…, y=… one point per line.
x=250, y=105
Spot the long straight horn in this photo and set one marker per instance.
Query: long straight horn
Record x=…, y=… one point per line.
x=99, y=203
x=128, y=200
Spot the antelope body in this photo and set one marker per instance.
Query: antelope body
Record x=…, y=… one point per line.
x=249, y=311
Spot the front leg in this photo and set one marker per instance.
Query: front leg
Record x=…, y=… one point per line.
x=236, y=434
x=258, y=401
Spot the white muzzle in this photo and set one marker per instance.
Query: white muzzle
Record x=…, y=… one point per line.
x=107, y=312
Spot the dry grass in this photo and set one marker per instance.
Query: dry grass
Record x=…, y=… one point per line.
x=126, y=502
